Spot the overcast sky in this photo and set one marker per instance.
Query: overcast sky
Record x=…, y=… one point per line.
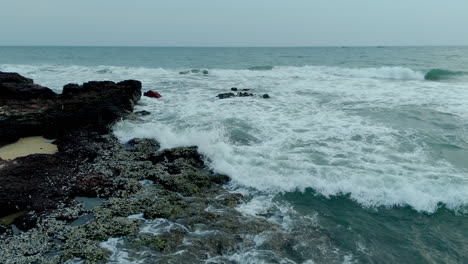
x=234, y=23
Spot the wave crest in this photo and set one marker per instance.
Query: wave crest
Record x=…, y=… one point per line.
x=397, y=73
x=261, y=68
x=440, y=74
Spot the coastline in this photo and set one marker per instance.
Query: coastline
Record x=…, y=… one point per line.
x=97, y=190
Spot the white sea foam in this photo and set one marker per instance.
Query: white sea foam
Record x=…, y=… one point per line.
x=397, y=73
x=118, y=252
x=159, y=226
x=325, y=128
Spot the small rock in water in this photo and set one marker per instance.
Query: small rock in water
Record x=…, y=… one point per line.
x=225, y=95
x=205, y=72
x=245, y=90
x=152, y=94
x=184, y=72
x=142, y=113
x=241, y=94
x=195, y=70
x=234, y=89
x=266, y=96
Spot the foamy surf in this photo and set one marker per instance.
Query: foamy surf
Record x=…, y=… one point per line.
x=324, y=128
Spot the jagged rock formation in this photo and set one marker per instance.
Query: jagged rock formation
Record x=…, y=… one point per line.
x=28, y=109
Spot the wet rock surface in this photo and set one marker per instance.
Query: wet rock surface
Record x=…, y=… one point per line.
x=194, y=71
x=225, y=95
x=181, y=191
x=240, y=93
x=161, y=206
x=28, y=109
x=37, y=183
x=17, y=87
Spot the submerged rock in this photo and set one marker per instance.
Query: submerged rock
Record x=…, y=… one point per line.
x=245, y=94
x=225, y=95
x=266, y=96
x=142, y=113
x=239, y=94
x=205, y=72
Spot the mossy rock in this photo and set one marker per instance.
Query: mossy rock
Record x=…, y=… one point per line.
x=164, y=210
x=151, y=241
x=87, y=250
x=103, y=229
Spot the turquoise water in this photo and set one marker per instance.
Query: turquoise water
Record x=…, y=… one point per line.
x=363, y=147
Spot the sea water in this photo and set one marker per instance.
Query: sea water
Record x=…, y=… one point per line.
x=366, y=146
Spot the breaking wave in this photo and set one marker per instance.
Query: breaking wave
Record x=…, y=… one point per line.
x=396, y=73
x=314, y=132
x=441, y=75
x=261, y=68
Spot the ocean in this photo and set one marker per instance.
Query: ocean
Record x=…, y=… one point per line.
x=365, y=148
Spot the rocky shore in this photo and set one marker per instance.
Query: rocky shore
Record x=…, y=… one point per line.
x=97, y=196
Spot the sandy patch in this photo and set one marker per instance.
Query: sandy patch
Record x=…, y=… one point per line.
x=9, y=219
x=27, y=146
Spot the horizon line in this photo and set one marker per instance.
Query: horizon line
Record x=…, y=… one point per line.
x=208, y=46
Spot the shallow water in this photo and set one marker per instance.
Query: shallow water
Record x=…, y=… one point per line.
x=365, y=147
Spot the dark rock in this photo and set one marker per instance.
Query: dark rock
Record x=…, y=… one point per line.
x=195, y=70
x=205, y=72
x=245, y=90
x=245, y=94
x=225, y=95
x=39, y=183
x=142, y=113
x=184, y=72
x=17, y=87
x=143, y=145
x=234, y=89
x=220, y=178
x=34, y=183
x=266, y=96
x=35, y=110
x=190, y=155
x=152, y=94
x=21, y=91
x=93, y=185
x=71, y=88
x=13, y=77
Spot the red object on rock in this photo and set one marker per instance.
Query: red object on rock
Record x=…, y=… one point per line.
x=152, y=94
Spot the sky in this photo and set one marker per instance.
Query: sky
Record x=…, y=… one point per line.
x=233, y=23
